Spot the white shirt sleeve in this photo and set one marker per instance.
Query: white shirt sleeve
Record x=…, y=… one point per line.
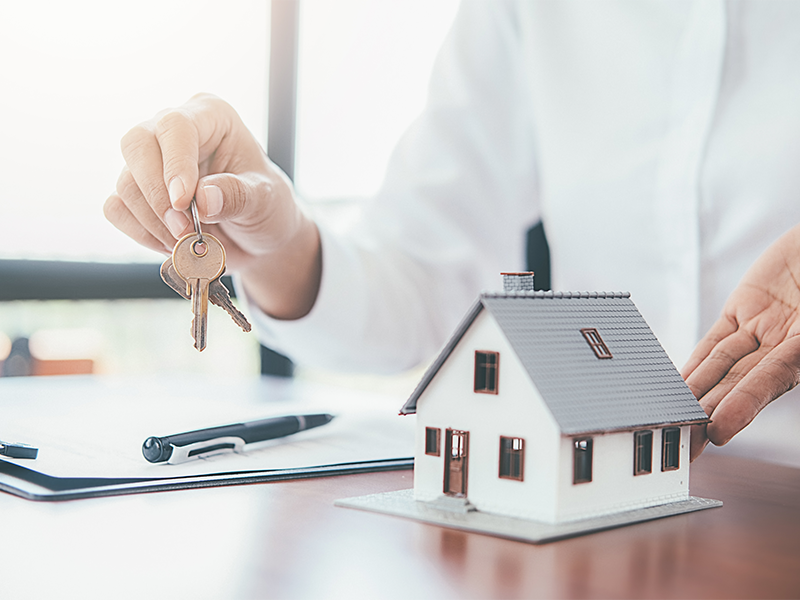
x=459, y=194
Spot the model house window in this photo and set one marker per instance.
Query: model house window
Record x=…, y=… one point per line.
x=432, y=441
x=670, y=448
x=642, y=452
x=512, y=455
x=583, y=460
x=487, y=364
x=596, y=342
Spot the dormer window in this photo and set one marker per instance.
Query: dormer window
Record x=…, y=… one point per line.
x=598, y=346
x=487, y=365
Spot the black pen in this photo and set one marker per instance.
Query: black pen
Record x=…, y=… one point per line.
x=181, y=447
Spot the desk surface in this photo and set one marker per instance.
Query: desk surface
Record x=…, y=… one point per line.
x=287, y=540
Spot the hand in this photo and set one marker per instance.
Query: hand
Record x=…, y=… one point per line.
x=752, y=353
x=203, y=149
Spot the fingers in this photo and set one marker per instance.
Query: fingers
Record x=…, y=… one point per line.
x=724, y=327
x=165, y=158
x=177, y=138
x=121, y=217
x=222, y=197
x=698, y=440
x=775, y=374
x=711, y=399
x=258, y=209
x=720, y=360
x=142, y=155
x=161, y=157
x=166, y=229
x=210, y=201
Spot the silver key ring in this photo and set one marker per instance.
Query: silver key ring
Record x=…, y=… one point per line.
x=196, y=220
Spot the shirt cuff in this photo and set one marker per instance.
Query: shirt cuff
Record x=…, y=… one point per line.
x=322, y=337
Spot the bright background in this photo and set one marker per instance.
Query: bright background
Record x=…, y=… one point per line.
x=77, y=75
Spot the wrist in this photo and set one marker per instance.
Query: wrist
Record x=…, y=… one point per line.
x=284, y=283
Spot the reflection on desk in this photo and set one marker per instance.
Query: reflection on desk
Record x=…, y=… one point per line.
x=287, y=540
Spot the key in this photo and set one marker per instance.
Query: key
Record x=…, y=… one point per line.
x=172, y=279
x=199, y=261
x=218, y=294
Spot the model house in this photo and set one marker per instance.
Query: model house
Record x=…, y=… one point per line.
x=552, y=407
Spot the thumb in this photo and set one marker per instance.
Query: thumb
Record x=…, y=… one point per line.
x=225, y=196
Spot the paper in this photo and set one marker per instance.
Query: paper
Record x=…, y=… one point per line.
x=93, y=427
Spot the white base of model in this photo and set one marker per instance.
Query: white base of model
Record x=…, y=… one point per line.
x=459, y=515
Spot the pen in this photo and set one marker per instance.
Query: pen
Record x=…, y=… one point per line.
x=239, y=437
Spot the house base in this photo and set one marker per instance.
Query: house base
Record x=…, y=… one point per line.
x=402, y=504
x=459, y=504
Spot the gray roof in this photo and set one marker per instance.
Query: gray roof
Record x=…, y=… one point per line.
x=638, y=387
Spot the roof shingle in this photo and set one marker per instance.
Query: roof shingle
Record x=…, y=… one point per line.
x=638, y=387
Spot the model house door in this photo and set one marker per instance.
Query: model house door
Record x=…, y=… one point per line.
x=456, y=457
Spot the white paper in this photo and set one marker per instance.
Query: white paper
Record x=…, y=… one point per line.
x=95, y=426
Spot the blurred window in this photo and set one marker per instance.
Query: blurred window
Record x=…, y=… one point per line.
x=363, y=76
x=77, y=76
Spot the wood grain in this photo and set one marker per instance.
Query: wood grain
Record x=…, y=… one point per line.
x=287, y=540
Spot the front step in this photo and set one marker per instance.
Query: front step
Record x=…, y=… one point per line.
x=458, y=504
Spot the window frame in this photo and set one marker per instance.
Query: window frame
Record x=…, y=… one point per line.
x=489, y=371
x=670, y=448
x=514, y=457
x=437, y=436
x=596, y=343
x=582, y=459
x=642, y=452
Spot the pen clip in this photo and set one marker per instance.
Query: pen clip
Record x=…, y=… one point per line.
x=220, y=445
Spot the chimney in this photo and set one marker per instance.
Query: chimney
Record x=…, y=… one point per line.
x=518, y=282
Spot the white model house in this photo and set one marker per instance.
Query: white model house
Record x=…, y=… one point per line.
x=553, y=407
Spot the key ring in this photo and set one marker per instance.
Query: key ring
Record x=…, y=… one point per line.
x=196, y=220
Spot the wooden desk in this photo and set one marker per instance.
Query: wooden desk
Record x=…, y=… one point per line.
x=287, y=540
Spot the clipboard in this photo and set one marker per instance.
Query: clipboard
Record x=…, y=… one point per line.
x=89, y=431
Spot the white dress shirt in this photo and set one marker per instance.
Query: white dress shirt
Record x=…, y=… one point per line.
x=659, y=141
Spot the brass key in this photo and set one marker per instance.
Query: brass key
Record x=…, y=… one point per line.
x=199, y=259
x=172, y=279
x=217, y=293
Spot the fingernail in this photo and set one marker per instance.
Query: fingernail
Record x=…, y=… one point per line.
x=176, y=221
x=213, y=200
x=176, y=189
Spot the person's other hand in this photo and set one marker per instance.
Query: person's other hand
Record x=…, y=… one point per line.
x=202, y=149
x=752, y=353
